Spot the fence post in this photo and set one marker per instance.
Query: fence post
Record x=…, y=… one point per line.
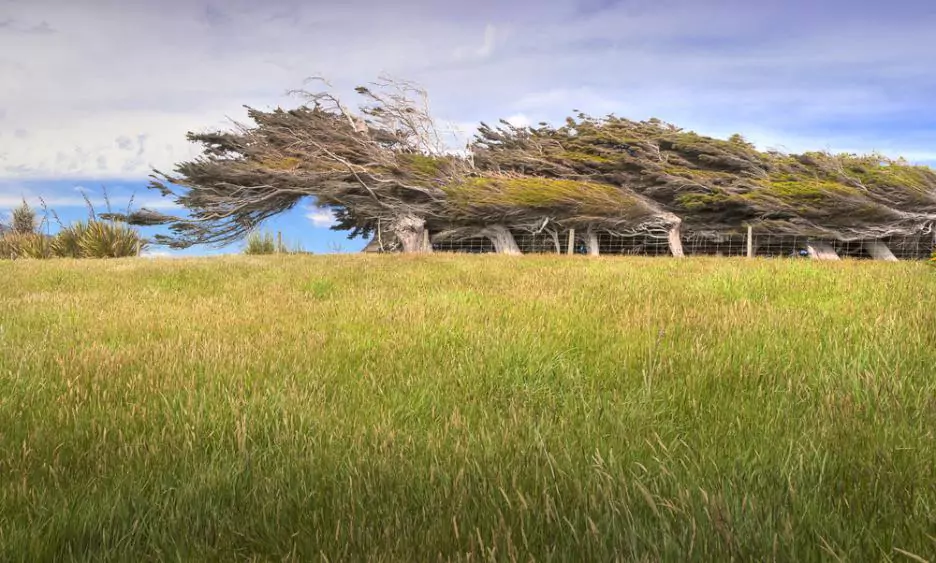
x=571, y=241
x=279, y=241
x=750, y=242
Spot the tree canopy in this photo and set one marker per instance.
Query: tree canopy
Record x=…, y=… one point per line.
x=385, y=171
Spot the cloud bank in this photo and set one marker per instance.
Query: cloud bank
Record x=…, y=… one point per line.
x=107, y=89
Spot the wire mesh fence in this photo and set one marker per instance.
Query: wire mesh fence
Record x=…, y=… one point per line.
x=726, y=245
x=477, y=245
x=644, y=244
x=911, y=248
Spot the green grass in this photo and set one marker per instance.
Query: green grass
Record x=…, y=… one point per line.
x=476, y=408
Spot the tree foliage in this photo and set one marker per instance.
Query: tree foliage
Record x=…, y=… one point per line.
x=387, y=174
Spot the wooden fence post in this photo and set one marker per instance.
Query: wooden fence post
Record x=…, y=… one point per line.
x=571, y=241
x=750, y=242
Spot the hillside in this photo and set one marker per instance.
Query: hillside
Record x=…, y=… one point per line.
x=417, y=408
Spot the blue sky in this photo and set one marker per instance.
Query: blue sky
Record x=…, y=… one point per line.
x=99, y=92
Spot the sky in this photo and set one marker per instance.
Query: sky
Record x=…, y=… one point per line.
x=96, y=94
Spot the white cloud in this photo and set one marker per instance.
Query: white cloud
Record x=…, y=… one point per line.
x=157, y=254
x=518, y=120
x=141, y=74
x=490, y=41
x=488, y=44
x=321, y=218
x=13, y=199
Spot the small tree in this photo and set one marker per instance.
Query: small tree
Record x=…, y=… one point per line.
x=24, y=219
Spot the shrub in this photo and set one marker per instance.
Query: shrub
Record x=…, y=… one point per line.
x=8, y=248
x=67, y=243
x=264, y=243
x=24, y=219
x=15, y=245
x=109, y=239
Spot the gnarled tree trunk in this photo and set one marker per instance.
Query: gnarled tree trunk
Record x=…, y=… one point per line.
x=410, y=230
x=821, y=251
x=502, y=239
x=879, y=251
x=591, y=242
x=675, y=242
x=555, y=238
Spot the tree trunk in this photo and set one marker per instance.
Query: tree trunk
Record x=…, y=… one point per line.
x=555, y=239
x=675, y=242
x=591, y=242
x=879, y=251
x=411, y=232
x=502, y=239
x=821, y=251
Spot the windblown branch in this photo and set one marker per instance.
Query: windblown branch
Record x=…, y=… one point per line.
x=385, y=166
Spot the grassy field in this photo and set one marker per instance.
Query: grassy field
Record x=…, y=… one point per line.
x=475, y=408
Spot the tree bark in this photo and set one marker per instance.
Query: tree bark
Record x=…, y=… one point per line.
x=502, y=239
x=675, y=242
x=879, y=251
x=410, y=230
x=821, y=251
x=591, y=242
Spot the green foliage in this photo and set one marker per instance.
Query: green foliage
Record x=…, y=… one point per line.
x=259, y=243
x=708, y=180
x=96, y=238
x=422, y=164
x=15, y=244
x=67, y=242
x=109, y=239
x=738, y=139
x=36, y=246
x=541, y=193
x=897, y=175
x=697, y=201
x=584, y=157
x=805, y=191
x=320, y=288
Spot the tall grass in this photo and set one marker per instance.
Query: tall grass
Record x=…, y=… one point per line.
x=94, y=238
x=403, y=408
x=108, y=239
x=15, y=244
x=262, y=243
x=67, y=242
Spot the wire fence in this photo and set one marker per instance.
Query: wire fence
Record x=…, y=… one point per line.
x=727, y=245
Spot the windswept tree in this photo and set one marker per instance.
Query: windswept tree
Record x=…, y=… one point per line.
x=386, y=173
x=381, y=169
x=713, y=185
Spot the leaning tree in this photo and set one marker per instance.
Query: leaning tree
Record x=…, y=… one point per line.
x=386, y=173
x=380, y=168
